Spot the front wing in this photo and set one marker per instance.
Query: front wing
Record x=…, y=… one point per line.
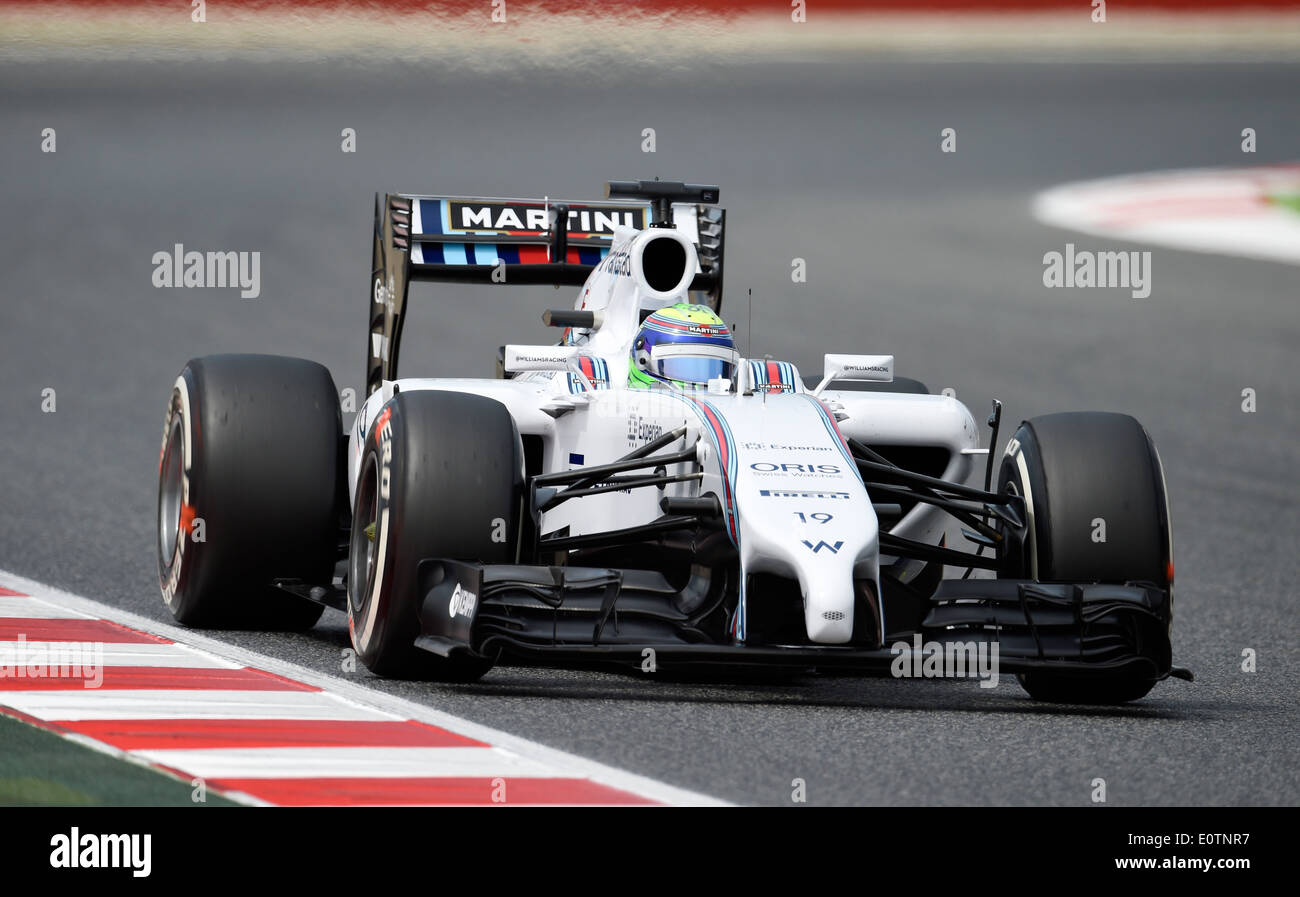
x=580, y=615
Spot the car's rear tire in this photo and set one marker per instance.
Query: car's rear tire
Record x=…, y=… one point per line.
x=441, y=476
x=248, y=485
x=1095, y=495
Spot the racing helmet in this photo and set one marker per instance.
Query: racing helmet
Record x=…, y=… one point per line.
x=684, y=346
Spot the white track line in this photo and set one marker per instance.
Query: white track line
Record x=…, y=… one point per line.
x=351, y=697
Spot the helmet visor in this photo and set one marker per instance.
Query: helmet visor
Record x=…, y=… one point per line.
x=693, y=368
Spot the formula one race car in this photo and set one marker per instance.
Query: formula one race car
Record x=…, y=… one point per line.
x=639, y=494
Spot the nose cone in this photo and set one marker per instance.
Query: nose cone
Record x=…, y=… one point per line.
x=804, y=513
x=827, y=586
x=821, y=536
x=826, y=578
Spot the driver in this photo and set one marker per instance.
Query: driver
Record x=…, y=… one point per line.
x=682, y=346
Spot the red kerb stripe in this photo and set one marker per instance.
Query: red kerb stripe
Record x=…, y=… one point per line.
x=159, y=678
x=199, y=734
x=40, y=629
x=424, y=791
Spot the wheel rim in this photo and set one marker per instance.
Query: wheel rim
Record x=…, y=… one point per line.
x=363, y=550
x=171, y=492
x=1023, y=561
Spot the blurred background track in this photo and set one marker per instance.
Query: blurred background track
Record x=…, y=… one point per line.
x=495, y=34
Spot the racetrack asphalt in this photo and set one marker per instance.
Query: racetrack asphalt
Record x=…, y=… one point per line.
x=931, y=256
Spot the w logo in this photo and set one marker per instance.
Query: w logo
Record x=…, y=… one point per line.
x=834, y=549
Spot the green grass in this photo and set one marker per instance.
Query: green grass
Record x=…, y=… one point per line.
x=1287, y=200
x=40, y=768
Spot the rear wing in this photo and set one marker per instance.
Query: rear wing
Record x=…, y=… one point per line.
x=461, y=239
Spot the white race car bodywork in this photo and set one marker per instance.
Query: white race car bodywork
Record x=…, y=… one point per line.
x=773, y=455
x=578, y=510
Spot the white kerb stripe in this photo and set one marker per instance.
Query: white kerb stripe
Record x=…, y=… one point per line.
x=115, y=654
x=352, y=762
x=196, y=703
x=24, y=606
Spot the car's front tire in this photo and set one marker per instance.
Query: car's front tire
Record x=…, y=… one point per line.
x=1094, y=491
x=440, y=477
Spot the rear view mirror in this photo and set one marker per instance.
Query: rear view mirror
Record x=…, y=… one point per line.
x=539, y=358
x=879, y=368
